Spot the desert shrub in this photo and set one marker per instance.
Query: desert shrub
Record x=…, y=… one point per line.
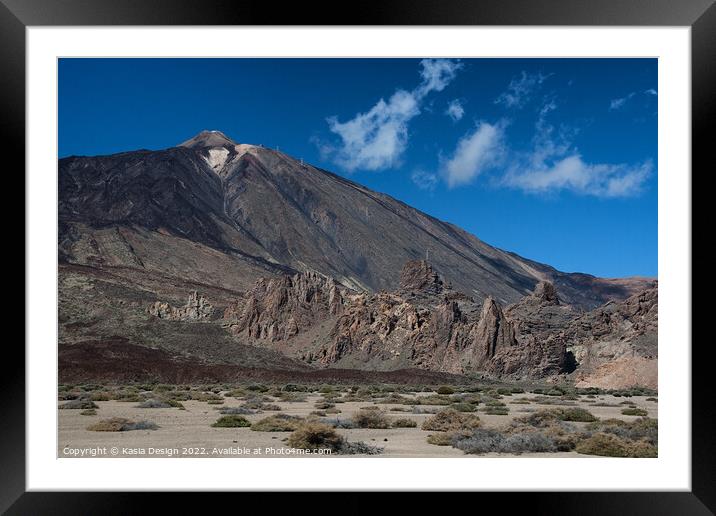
x=424, y=410
x=215, y=402
x=370, y=419
x=472, y=398
x=497, y=411
x=359, y=448
x=325, y=388
x=231, y=421
x=154, y=404
x=634, y=411
x=519, y=402
x=257, y=387
x=396, y=399
x=140, y=425
x=432, y=400
x=539, y=419
x=270, y=407
x=120, y=424
x=575, y=414
x=88, y=412
x=463, y=407
x=644, y=428
x=487, y=440
x=178, y=396
x=290, y=397
x=78, y=404
x=651, y=398
x=450, y=420
x=404, y=422
x=162, y=387
x=236, y=410
x=319, y=413
x=494, y=403
x=100, y=396
x=554, y=392
x=333, y=410
x=610, y=445
x=517, y=390
x=338, y=423
x=322, y=405
x=312, y=435
x=504, y=391
x=292, y=387
x=234, y=393
x=440, y=439
x=277, y=423
x=445, y=389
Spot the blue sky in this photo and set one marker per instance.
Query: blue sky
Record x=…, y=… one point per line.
x=554, y=159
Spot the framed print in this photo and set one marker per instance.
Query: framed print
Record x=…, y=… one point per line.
x=436, y=248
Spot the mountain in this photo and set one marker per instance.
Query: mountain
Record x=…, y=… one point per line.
x=215, y=260
x=226, y=214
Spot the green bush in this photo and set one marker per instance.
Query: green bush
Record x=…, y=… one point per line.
x=445, y=389
x=231, y=421
x=634, y=411
x=440, y=439
x=120, y=424
x=277, y=423
x=609, y=445
x=315, y=436
x=463, y=407
x=575, y=414
x=449, y=420
x=370, y=419
x=78, y=405
x=404, y=422
x=88, y=412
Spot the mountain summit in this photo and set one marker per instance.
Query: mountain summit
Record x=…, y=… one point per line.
x=206, y=139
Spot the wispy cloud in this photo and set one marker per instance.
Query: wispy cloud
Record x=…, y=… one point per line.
x=455, y=110
x=574, y=174
x=554, y=165
x=615, y=104
x=377, y=139
x=477, y=151
x=651, y=91
x=424, y=180
x=520, y=89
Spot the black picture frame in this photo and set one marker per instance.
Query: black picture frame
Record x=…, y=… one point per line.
x=700, y=15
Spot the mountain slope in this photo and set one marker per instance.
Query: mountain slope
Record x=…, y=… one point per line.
x=252, y=212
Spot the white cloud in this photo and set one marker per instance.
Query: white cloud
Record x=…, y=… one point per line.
x=378, y=138
x=553, y=165
x=475, y=152
x=651, y=91
x=455, y=110
x=424, y=180
x=520, y=89
x=436, y=74
x=573, y=174
x=619, y=103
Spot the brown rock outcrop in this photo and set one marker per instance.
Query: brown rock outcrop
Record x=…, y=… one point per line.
x=196, y=308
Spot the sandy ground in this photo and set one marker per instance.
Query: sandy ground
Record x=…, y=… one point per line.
x=187, y=433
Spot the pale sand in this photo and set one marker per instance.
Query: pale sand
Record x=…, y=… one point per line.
x=188, y=432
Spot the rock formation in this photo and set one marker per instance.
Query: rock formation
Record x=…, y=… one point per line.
x=616, y=345
x=196, y=308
